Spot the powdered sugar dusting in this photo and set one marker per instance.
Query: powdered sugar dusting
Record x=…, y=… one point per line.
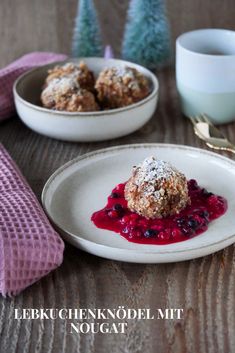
x=150, y=174
x=62, y=85
x=69, y=69
x=67, y=81
x=70, y=66
x=128, y=73
x=154, y=169
x=124, y=71
x=156, y=189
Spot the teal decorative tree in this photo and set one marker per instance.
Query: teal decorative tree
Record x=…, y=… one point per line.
x=86, y=36
x=147, y=35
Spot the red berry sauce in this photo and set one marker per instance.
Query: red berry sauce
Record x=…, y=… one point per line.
x=191, y=221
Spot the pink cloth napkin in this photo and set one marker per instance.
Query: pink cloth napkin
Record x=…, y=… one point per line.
x=29, y=246
x=10, y=73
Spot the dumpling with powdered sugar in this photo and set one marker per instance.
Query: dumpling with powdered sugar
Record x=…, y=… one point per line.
x=64, y=93
x=121, y=86
x=156, y=189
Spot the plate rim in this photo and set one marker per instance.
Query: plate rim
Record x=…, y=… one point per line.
x=88, y=155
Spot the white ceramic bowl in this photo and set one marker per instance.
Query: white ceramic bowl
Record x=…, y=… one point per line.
x=87, y=126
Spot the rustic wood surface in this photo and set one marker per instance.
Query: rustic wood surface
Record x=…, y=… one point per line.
x=29, y=25
x=204, y=288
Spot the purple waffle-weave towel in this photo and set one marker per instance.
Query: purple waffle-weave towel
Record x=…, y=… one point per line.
x=10, y=73
x=29, y=246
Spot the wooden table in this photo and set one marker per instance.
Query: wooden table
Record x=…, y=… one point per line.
x=204, y=288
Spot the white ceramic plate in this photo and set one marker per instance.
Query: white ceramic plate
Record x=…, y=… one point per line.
x=81, y=187
x=82, y=126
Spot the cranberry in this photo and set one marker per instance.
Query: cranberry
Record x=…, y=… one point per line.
x=125, y=219
x=138, y=233
x=217, y=207
x=143, y=223
x=158, y=228
x=113, y=214
x=198, y=218
x=221, y=204
x=212, y=200
x=134, y=216
x=132, y=222
x=187, y=231
x=161, y=236
x=135, y=232
x=120, y=187
x=194, y=219
x=164, y=235
x=195, y=211
x=176, y=233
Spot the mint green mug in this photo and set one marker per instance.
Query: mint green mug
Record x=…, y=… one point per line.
x=205, y=73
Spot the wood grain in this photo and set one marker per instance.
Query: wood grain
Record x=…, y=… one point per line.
x=205, y=287
x=31, y=25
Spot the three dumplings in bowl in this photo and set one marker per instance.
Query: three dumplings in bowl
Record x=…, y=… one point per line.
x=73, y=88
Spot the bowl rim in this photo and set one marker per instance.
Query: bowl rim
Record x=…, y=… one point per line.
x=99, y=113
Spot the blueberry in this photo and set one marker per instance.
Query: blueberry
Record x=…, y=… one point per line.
x=114, y=195
x=192, y=223
x=126, y=230
x=204, y=214
x=149, y=233
x=206, y=193
x=118, y=207
x=210, y=194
